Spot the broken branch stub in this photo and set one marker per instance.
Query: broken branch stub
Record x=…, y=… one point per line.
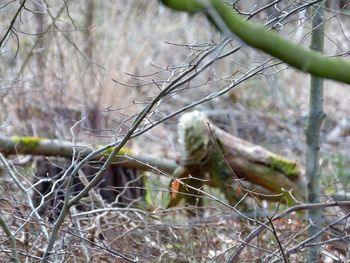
x=226, y=157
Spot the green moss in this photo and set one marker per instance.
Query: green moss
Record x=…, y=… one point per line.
x=122, y=151
x=160, y=197
x=288, y=168
x=221, y=174
x=27, y=142
x=217, y=165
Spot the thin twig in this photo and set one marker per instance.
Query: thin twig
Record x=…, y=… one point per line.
x=236, y=254
x=11, y=238
x=10, y=28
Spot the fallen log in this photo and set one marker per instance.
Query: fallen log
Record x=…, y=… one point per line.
x=214, y=157
x=209, y=156
x=46, y=147
x=122, y=182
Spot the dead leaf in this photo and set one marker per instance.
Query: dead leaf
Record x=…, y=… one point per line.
x=174, y=188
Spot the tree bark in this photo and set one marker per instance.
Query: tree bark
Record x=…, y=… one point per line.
x=46, y=147
x=312, y=133
x=226, y=162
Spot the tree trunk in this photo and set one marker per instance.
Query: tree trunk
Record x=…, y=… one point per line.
x=312, y=133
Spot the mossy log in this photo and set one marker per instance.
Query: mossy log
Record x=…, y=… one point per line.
x=209, y=156
x=225, y=161
x=45, y=147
